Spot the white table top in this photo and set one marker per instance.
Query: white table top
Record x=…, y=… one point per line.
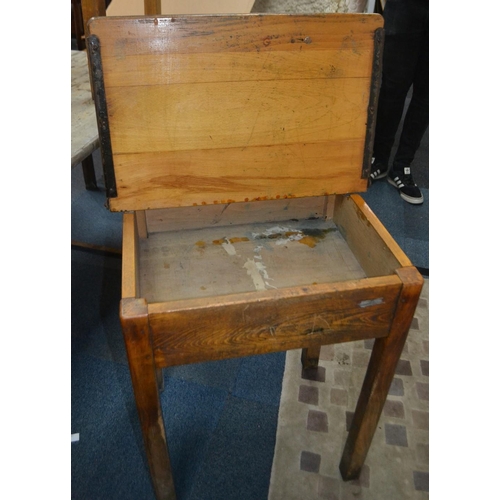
x=84, y=135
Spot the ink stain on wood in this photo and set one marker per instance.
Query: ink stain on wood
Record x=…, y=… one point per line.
x=309, y=241
x=309, y=237
x=313, y=236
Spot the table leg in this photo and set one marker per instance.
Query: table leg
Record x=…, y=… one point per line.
x=379, y=375
x=135, y=326
x=89, y=173
x=310, y=357
x=160, y=377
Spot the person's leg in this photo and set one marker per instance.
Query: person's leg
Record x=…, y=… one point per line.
x=396, y=81
x=417, y=117
x=403, y=27
x=414, y=127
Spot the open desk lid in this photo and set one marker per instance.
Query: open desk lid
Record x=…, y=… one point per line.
x=198, y=110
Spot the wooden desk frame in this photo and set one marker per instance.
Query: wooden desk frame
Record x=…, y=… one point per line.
x=173, y=332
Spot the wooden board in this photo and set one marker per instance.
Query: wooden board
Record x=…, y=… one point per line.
x=221, y=109
x=228, y=214
x=274, y=320
x=130, y=257
x=368, y=239
x=236, y=259
x=136, y=7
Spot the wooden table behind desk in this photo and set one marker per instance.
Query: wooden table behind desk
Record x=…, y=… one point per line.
x=84, y=135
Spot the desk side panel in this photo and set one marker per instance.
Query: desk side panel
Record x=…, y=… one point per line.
x=130, y=257
x=374, y=248
x=256, y=323
x=228, y=214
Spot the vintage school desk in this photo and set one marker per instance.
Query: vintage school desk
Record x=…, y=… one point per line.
x=231, y=143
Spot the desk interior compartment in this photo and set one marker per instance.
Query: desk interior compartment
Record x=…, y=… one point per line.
x=334, y=250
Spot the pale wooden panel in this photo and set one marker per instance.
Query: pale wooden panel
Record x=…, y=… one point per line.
x=142, y=228
x=168, y=69
x=236, y=114
x=130, y=255
x=233, y=175
x=136, y=7
x=329, y=206
x=374, y=247
x=260, y=32
x=230, y=131
x=173, y=219
x=241, y=258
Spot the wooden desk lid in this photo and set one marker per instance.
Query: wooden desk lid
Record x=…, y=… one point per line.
x=201, y=110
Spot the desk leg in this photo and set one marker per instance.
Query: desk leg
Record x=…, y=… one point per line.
x=160, y=377
x=135, y=326
x=89, y=173
x=379, y=375
x=310, y=357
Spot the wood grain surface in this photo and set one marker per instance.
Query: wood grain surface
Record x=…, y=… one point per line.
x=374, y=248
x=228, y=214
x=272, y=320
x=217, y=109
x=130, y=257
x=138, y=342
x=217, y=261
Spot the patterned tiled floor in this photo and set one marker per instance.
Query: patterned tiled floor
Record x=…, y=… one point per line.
x=315, y=415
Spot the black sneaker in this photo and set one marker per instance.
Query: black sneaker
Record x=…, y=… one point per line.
x=378, y=170
x=408, y=190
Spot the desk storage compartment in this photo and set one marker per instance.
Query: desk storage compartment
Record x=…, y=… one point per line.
x=223, y=288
